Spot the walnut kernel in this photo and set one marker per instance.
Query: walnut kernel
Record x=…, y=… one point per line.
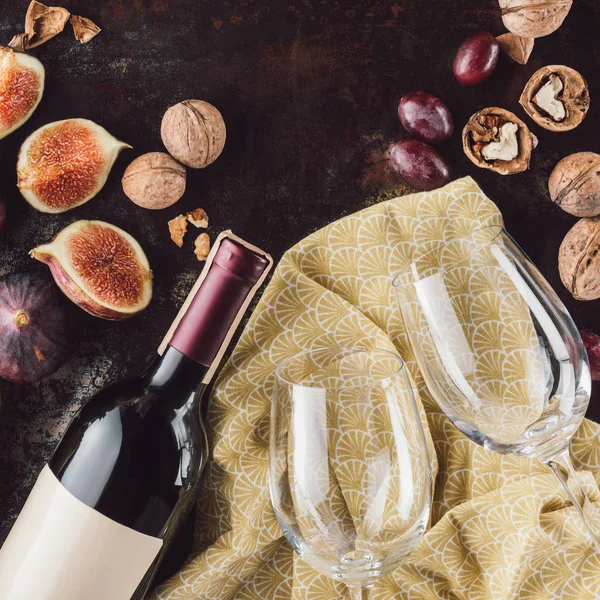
x=198, y=218
x=177, y=229
x=202, y=246
x=556, y=98
x=496, y=139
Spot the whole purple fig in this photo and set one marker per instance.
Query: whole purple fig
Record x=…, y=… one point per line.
x=34, y=327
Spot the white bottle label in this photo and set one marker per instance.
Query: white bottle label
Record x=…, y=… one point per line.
x=61, y=549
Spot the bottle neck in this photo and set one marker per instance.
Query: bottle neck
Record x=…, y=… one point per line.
x=211, y=315
x=174, y=377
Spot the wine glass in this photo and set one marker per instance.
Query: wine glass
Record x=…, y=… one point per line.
x=499, y=352
x=350, y=472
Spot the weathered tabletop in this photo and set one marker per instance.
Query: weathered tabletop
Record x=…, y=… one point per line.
x=309, y=91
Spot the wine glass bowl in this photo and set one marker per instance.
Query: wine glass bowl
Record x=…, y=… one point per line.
x=350, y=473
x=495, y=345
x=499, y=352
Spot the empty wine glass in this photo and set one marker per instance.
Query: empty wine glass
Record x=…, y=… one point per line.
x=499, y=352
x=350, y=473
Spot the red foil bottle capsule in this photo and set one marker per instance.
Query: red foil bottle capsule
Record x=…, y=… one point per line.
x=234, y=271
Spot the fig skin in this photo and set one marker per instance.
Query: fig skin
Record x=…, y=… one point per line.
x=34, y=328
x=64, y=164
x=100, y=267
x=22, y=83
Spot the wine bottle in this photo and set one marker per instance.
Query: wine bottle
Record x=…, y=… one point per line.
x=124, y=475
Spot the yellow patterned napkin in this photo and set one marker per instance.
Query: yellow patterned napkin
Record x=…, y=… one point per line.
x=501, y=526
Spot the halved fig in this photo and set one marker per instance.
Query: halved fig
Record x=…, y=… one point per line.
x=100, y=267
x=66, y=163
x=21, y=88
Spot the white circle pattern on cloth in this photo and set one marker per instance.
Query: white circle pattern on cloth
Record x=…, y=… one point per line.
x=501, y=527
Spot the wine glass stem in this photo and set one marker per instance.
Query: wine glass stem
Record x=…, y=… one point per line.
x=356, y=592
x=563, y=468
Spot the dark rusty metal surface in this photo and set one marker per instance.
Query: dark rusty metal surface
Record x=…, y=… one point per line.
x=309, y=91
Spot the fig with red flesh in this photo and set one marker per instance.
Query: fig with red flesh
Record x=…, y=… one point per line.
x=100, y=267
x=21, y=88
x=34, y=340
x=66, y=163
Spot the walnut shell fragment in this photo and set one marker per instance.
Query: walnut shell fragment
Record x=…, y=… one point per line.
x=198, y=218
x=84, y=29
x=177, y=229
x=202, y=246
x=517, y=48
x=534, y=18
x=579, y=259
x=41, y=24
x=496, y=139
x=556, y=98
x=19, y=42
x=575, y=184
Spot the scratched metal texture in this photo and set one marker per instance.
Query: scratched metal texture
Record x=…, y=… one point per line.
x=309, y=92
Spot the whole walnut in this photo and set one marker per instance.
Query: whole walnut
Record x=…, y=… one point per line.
x=193, y=132
x=534, y=18
x=575, y=184
x=154, y=180
x=579, y=259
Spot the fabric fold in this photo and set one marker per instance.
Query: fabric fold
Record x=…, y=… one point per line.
x=501, y=527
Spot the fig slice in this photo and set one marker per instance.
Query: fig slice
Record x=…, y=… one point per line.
x=21, y=88
x=100, y=267
x=66, y=163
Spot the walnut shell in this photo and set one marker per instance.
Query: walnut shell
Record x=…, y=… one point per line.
x=575, y=98
x=483, y=128
x=534, y=18
x=516, y=48
x=575, y=184
x=193, y=132
x=84, y=29
x=579, y=259
x=154, y=181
